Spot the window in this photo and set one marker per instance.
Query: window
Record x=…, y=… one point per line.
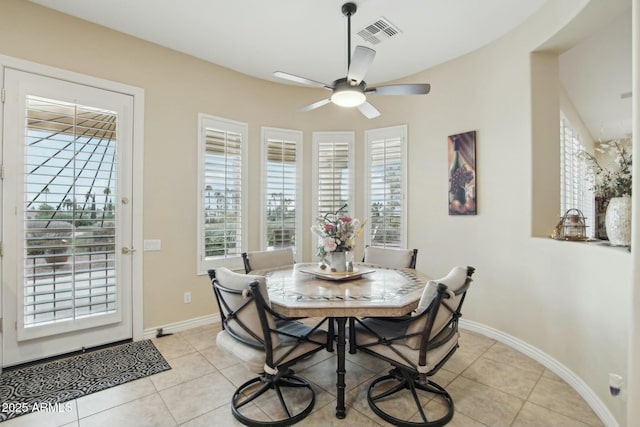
x=576, y=180
x=70, y=181
x=386, y=182
x=222, y=192
x=333, y=172
x=281, y=180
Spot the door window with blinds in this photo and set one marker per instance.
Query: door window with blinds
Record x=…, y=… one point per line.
x=70, y=170
x=333, y=173
x=386, y=172
x=576, y=178
x=281, y=180
x=66, y=210
x=222, y=192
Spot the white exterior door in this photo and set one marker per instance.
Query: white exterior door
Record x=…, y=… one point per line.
x=66, y=217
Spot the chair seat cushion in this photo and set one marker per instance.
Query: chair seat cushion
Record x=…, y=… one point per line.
x=255, y=358
x=390, y=330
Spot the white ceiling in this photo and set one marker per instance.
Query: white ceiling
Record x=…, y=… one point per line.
x=596, y=73
x=308, y=38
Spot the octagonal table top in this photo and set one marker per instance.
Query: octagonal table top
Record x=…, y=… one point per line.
x=306, y=290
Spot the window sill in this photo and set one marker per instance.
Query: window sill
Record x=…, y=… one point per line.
x=597, y=242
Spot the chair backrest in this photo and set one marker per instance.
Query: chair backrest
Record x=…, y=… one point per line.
x=436, y=312
x=259, y=260
x=243, y=300
x=391, y=257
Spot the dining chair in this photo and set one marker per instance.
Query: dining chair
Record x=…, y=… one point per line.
x=390, y=257
x=259, y=260
x=417, y=346
x=268, y=344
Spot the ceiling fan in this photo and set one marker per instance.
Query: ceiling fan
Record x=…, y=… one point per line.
x=352, y=91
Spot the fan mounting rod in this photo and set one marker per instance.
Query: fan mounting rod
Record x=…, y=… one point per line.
x=348, y=9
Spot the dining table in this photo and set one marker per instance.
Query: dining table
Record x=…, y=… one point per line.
x=307, y=290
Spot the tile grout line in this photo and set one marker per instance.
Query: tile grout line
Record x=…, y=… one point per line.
x=526, y=400
x=460, y=375
x=162, y=399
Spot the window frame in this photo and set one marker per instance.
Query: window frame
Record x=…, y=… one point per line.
x=374, y=135
x=232, y=262
x=320, y=138
x=135, y=200
x=289, y=135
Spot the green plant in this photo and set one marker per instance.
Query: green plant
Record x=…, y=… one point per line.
x=615, y=182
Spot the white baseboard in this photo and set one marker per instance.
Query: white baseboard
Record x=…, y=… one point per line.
x=550, y=363
x=183, y=326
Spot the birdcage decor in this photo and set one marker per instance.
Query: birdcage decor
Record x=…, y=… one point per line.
x=572, y=226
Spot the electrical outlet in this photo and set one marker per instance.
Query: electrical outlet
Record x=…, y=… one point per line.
x=616, y=384
x=187, y=297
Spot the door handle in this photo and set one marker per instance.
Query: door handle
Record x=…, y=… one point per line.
x=127, y=251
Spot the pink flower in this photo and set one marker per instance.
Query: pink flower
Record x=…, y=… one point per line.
x=328, y=227
x=329, y=244
x=345, y=219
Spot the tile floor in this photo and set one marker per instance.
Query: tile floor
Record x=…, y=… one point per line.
x=491, y=385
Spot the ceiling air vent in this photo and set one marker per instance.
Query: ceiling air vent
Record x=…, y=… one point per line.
x=378, y=31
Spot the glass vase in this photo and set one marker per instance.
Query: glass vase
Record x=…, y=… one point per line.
x=339, y=261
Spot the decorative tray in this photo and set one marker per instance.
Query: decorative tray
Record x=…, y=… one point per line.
x=337, y=275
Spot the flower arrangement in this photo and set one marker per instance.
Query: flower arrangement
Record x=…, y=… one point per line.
x=336, y=232
x=612, y=183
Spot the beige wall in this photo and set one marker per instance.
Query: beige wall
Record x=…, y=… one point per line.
x=633, y=410
x=564, y=299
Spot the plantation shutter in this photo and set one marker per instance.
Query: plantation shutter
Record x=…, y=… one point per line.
x=223, y=193
x=69, y=211
x=576, y=180
x=386, y=187
x=334, y=182
x=281, y=184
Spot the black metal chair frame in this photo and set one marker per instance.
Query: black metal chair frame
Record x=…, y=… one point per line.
x=245, y=260
x=284, y=376
x=406, y=373
x=414, y=258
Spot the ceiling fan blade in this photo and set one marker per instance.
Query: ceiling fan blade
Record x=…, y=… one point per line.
x=315, y=105
x=406, y=89
x=301, y=80
x=360, y=63
x=369, y=111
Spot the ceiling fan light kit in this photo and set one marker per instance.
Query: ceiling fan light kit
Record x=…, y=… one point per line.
x=351, y=91
x=346, y=95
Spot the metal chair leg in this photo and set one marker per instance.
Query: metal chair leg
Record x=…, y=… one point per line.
x=243, y=395
x=408, y=381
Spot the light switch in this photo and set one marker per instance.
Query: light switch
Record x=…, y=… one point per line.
x=152, y=245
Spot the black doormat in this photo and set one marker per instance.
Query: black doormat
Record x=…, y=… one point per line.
x=47, y=386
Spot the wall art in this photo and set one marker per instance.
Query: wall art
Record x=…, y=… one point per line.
x=462, y=174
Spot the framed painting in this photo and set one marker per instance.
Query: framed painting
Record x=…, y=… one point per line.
x=462, y=174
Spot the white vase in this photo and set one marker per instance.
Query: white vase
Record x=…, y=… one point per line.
x=618, y=221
